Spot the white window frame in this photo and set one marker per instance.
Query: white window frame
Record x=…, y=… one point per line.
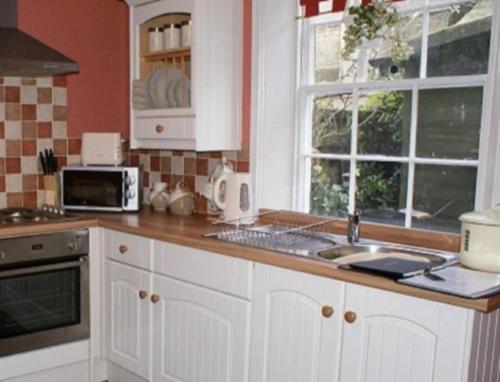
x=276, y=167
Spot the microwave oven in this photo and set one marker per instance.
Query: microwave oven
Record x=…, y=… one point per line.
x=101, y=188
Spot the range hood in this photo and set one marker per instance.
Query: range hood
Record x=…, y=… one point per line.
x=21, y=55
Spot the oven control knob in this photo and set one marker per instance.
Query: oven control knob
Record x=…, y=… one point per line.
x=129, y=180
x=130, y=194
x=72, y=245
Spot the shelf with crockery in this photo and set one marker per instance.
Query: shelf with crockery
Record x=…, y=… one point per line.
x=186, y=95
x=165, y=65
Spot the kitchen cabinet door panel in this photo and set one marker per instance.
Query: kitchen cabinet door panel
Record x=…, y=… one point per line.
x=128, y=318
x=399, y=338
x=292, y=341
x=199, y=334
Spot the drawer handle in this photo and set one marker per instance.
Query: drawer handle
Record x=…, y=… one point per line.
x=123, y=248
x=159, y=129
x=350, y=317
x=327, y=311
x=155, y=298
x=143, y=294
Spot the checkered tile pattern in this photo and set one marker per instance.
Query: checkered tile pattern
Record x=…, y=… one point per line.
x=33, y=116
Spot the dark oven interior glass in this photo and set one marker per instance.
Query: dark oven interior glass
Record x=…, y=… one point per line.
x=93, y=188
x=35, y=302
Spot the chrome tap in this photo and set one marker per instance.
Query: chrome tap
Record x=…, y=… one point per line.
x=353, y=221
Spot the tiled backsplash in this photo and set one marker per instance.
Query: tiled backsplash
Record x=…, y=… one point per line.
x=191, y=167
x=32, y=118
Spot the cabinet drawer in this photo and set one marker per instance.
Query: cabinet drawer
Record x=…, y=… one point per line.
x=129, y=249
x=165, y=128
x=224, y=273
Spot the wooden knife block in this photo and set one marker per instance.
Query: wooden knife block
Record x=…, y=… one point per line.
x=52, y=192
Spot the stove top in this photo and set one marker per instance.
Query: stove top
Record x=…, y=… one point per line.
x=30, y=215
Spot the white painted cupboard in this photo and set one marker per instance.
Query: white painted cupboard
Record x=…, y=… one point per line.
x=200, y=316
x=187, y=326
x=187, y=98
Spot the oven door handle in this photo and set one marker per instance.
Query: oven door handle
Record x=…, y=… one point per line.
x=83, y=261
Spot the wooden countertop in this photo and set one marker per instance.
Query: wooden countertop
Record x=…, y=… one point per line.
x=189, y=231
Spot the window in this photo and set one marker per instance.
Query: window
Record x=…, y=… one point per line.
x=398, y=140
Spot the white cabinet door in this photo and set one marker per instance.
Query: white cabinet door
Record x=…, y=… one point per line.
x=128, y=317
x=292, y=340
x=396, y=338
x=198, y=334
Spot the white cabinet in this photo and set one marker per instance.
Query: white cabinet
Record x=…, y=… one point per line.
x=294, y=337
x=395, y=338
x=128, y=317
x=192, y=97
x=198, y=334
x=192, y=310
x=372, y=335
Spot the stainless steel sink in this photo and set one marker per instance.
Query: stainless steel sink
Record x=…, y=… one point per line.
x=346, y=254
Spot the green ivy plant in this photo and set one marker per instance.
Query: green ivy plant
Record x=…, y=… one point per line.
x=379, y=19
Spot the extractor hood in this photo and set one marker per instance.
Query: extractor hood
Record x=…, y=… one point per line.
x=22, y=55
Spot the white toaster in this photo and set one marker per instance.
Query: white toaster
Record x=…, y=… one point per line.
x=102, y=149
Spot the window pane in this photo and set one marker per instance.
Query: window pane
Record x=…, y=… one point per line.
x=449, y=121
x=459, y=39
x=329, y=187
x=382, y=63
x=381, y=191
x=442, y=194
x=384, y=123
x=331, y=128
x=327, y=63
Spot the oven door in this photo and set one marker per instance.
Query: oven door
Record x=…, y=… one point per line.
x=99, y=189
x=44, y=306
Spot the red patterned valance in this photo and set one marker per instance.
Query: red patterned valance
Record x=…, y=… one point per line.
x=311, y=7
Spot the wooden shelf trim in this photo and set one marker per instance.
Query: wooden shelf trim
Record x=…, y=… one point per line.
x=169, y=54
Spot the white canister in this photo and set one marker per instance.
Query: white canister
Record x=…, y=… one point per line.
x=480, y=240
x=186, y=33
x=172, y=36
x=155, y=39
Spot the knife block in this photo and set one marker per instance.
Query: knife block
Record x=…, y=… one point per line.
x=52, y=191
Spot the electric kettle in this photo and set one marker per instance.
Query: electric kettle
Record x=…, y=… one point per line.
x=236, y=206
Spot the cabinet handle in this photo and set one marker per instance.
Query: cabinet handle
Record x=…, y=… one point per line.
x=159, y=129
x=123, y=248
x=155, y=298
x=327, y=311
x=143, y=294
x=350, y=317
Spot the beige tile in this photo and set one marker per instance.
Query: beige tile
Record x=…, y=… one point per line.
x=189, y=154
x=200, y=182
x=43, y=144
x=13, y=130
x=165, y=153
x=29, y=95
x=74, y=159
x=44, y=113
x=44, y=81
x=60, y=96
x=177, y=165
x=154, y=176
x=13, y=183
x=3, y=151
x=29, y=165
x=3, y=200
x=60, y=130
x=231, y=155
x=2, y=112
x=12, y=81
x=144, y=161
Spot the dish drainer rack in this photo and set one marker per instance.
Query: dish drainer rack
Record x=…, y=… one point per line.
x=282, y=231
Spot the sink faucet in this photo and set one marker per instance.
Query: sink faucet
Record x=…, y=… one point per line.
x=353, y=221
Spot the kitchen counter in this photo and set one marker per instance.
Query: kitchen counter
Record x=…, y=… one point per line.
x=189, y=231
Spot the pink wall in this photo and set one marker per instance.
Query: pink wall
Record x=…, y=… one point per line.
x=95, y=34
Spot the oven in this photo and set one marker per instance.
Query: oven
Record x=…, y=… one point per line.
x=101, y=188
x=44, y=291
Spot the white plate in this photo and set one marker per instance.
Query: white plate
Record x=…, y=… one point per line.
x=170, y=93
x=150, y=84
x=162, y=83
x=182, y=93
